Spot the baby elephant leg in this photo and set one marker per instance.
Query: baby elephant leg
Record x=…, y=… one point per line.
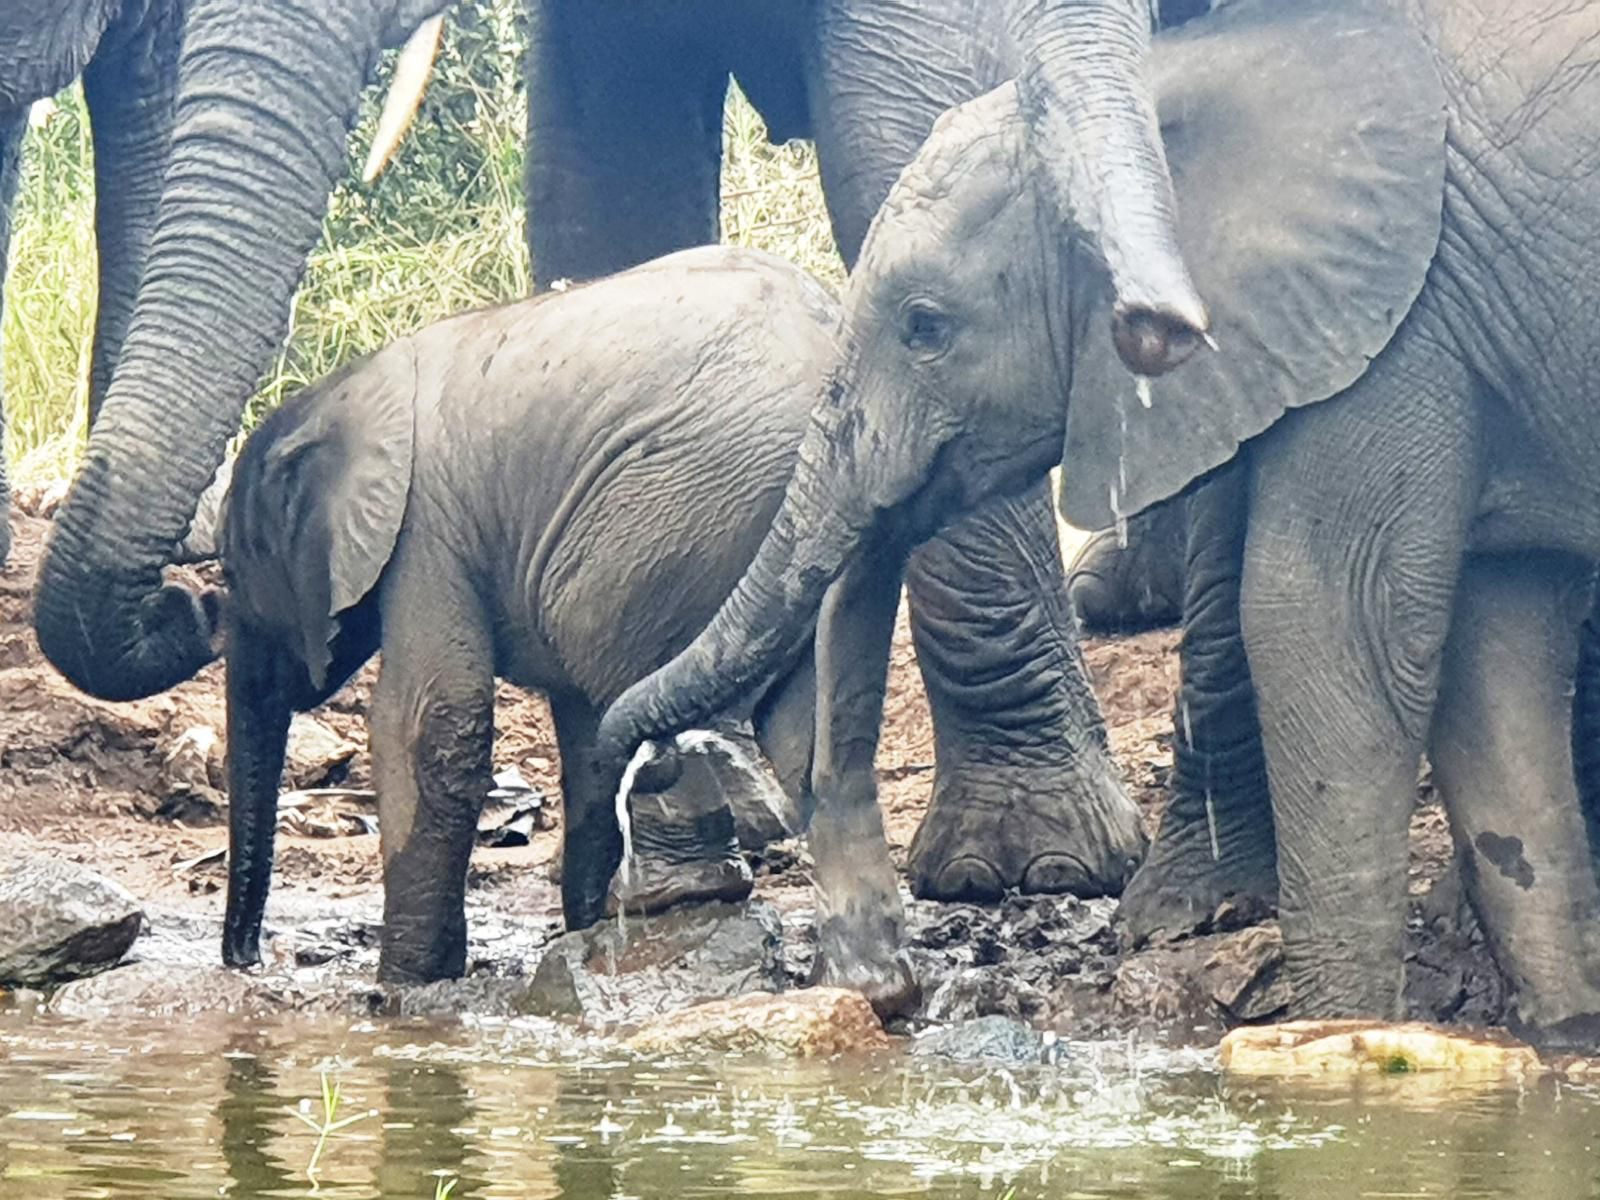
x=432, y=733
x=860, y=919
x=1502, y=758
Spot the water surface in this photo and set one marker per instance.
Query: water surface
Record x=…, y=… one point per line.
x=208, y=1107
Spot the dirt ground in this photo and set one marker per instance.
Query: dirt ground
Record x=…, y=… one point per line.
x=117, y=788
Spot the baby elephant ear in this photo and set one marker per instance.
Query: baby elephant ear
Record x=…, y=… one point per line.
x=375, y=418
x=1306, y=142
x=318, y=496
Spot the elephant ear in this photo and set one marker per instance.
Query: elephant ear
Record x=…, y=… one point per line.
x=318, y=496
x=1306, y=141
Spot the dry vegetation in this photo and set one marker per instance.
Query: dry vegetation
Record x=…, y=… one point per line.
x=439, y=232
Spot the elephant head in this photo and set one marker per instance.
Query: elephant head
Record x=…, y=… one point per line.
x=308, y=525
x=1307, y=142
x=267, y=92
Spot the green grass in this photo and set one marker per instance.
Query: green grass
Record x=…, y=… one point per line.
x=439, y=232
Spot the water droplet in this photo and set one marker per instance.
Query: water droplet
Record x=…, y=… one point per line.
x=1141, y=388
x=1211, y=827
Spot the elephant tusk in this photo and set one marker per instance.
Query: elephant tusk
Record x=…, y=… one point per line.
x=405, y=95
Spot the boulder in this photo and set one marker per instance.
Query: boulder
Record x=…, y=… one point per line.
x=623, y=972
x=815, y=1023
x=1350, y=1048
x=993, y=1039
x=61, y=921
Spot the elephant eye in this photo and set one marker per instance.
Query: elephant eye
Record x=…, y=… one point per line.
x=925, y=329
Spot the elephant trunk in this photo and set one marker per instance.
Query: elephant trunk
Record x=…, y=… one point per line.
x=267, y=94
x=1096, y=142
x=258, y=733
x=826, y=516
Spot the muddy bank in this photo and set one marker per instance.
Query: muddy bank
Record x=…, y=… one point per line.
x=133, y=792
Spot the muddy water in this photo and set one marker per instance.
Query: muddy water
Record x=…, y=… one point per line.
x=521, y=1110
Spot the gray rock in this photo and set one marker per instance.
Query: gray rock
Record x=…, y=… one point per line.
x=604, y=976
x=159, y=989
x=60, y=921
x=988, y=1039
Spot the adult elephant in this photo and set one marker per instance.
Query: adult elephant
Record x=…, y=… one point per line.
x=1391, y=213
x=126, y=52
x=625, y=103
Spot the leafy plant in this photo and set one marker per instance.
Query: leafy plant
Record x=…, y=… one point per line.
x=328, y=1123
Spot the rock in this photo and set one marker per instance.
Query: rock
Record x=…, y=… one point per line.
x=191, y=779
x=813, y=1023
x=1159, y=990
x=1362, y=1048
x=988, y=1039
x=315, y=753
x=603, y=976
x=976, y=992
x=60, y=921
x=163, y=989
x=1245, y=974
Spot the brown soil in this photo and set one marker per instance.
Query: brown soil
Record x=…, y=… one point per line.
x=89, y=781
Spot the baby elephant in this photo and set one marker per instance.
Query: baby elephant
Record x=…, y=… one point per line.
x=559, y=492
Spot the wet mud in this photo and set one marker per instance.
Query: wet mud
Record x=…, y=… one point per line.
x=133, y=791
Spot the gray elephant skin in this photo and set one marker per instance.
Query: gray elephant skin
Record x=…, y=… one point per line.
x=560, y=492
x=625, y=105
x=1389, y=213
x=126, y=52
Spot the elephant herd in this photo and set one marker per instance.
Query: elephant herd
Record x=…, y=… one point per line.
x=1294, y=291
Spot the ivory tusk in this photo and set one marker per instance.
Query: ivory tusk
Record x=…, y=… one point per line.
x=405, y=95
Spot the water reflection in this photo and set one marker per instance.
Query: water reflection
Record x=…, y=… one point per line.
x=514, y=1110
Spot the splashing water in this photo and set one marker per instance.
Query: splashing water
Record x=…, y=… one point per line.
x=642, y=755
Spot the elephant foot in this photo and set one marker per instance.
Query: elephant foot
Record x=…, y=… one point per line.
x=1200, y=875
x=680, y=857
x=1066, y=832
x=1118, y=583
x=655, y=885
x=869, y=961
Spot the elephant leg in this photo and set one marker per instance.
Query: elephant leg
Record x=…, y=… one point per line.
x=13, y=128
x=1215, y=842
x=860, y=918
x=1131, y=578
x=624, y=136
x=432, y=734
x=1025, y=793
x=1502, y=758
x=1358, y=518
x=717, y=798
x=685, y=843
x=129, y=87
